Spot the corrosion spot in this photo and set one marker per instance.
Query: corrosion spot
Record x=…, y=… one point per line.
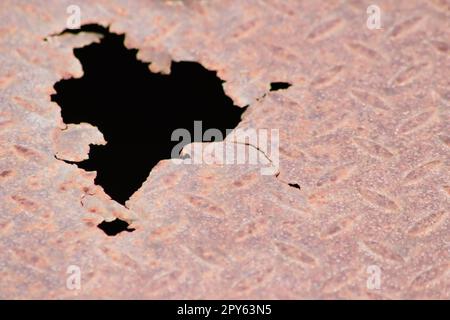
x=5, y=173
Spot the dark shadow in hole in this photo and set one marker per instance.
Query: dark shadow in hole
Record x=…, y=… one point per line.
x=295, y=185
x=137, y=110
x=274, y=86
x=115, y=227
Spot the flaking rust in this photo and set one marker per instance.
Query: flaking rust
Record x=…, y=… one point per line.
x=363, y=131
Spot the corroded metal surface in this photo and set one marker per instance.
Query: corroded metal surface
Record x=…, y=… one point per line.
x=364, y=130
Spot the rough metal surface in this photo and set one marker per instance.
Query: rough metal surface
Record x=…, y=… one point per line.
x=364, y=130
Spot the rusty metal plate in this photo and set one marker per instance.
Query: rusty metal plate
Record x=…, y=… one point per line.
x=364, y=131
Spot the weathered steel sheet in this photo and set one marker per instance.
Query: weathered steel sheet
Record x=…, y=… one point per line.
x=364, y=131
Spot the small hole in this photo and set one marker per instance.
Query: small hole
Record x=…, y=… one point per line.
x=274, y=86
x=295, y=185
x=115, y=227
